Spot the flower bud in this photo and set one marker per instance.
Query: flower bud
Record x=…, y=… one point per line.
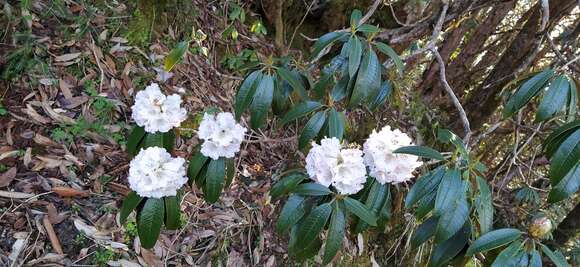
x=540, y=226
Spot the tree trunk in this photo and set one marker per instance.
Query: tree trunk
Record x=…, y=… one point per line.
x=568, y=228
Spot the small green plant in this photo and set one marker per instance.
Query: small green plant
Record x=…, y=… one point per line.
x=75, y=209
x=3, y=168
x=247, y=58
x=80, y=240
x=3, y=110
x=103, y=255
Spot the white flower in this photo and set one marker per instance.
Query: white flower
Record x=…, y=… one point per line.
x=221, y=134
x=385, y=166
x=156, y=112
x=154, y=173
x=328, y=164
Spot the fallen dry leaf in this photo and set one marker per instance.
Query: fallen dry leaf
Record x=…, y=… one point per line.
x=7, y=177
x=63, y=191
x=9, y=194
x=67, y=57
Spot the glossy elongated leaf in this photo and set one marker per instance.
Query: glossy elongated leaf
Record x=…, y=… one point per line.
x=287, y=184
x=196, y=163
x=524, y=94
x=367, y=28
x=447, y=136
x=230, y=171
x=310, y=228
x=567, y=187
x=573, y=101
x=169, y=140
x=446, y=251
x=134, y=140
x=302, y=253
x=368, y=80
x=565, y=157
x=354, y=55
x=300, y=110
x=214, y=180
x=484, y=206
x=336, y=233
x=535, y=259
x=450, y=189
x=175, y=55
x=172, y=212
x=390, y=52
x=262, y=101
x=325, y=41
x=557, y=258
x=426, y=204
x=375, y=200
x=360, y=210
x=294, y=80
x=339, y=91
x=312, y=128
x=326, y=80
x=355, y=17
x=130, y=202
x=335, y=124
x=554, y=99
x=452, y=219
x=425, y=231
x=149, y=222
x=493, y=239
x=291, y=213
x=509, y=257
x=153, y=140
x=421, y=151
x=558, y=136
x=311, y=189
x=426, y=184
x=246, y=93
x=381, y=96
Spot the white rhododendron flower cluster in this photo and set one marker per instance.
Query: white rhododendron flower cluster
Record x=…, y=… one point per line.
x=329, y=164
x=222, y=135
x=154, y=173
x=385, y=166
x=157, y=112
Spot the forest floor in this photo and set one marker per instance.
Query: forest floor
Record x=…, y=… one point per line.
x=70, y=73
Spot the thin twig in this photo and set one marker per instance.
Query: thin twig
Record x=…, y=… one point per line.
x=370, y=12
x=301, y=21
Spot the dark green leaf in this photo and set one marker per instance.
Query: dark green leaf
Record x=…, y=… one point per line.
x=524, y=94
x=446, y=251
x=554, y=99
x=573, y=101
x=381, y=96
x=535, y=259
x=558, y=136
x=300, y=110
x=447, y=136
x=484, y=206
x=390, y=52
x=214, y=181
x=354, y=55
x=358, y=209
x=335, y=124
x=175, y=55
x=291, y=213
x=568, y=186
x=557, y=258
x=452, y=219
x=262, y=101
x=367, y=28
x=134, y=140
x=421, y=151
x=196, y=163
x=131, y=201
x=313, y=224
x=426, y=184
x=375, y=200
x=336, y=232
x=340, y=89
x=294, y=80
x=230, y=171
x=565, y=157
x=246, y=93
x=509, y=256
x=169, y=140
x=302, y=253
x=355, y=17
x=493, y=239
x=149, y=222
x=426, y=204
x=450, y=189
x=311, y=189
x=324, y=41
x=153, y=140
x=312, y=128
x=425, y=231
x=287, y=184
x=368, y=80
x=172, y=212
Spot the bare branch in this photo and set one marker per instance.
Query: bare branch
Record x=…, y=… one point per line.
x=371, y=11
